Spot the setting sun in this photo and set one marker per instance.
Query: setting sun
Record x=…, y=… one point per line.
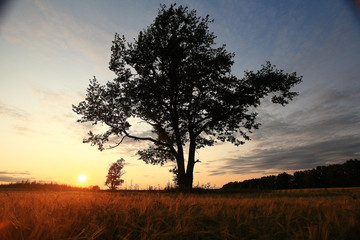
x=82, y=178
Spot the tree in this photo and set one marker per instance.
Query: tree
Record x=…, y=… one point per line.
x=175, y=79
x=94, y=188
x=284, y=181
x=113, y=178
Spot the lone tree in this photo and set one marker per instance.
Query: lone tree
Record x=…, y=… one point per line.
x=113, y=178
x=175, y=79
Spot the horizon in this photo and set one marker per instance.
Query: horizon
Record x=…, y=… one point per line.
x=50, y=50
x=171, y=186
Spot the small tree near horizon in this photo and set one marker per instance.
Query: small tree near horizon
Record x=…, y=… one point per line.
x=175, y=78
x=113, y=178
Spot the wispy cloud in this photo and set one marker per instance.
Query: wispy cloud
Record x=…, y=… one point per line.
x=15, y=173
x=24, y=130
x=14, y=176
x=13, y=112
x=323, y=131
x=56, y=106
x=293, y=158
x=53, y=33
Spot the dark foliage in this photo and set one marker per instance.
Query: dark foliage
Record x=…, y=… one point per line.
x=335, y=175
x=113, y=178
x=40, y=186
x=175, y=79
x=94, y=188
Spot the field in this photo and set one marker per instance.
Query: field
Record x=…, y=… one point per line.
x=291, y=214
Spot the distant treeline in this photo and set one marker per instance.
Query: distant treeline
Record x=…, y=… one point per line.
x=51, y=186
x=335, y=175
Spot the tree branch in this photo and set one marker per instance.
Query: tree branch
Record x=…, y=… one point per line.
x=144, y=139
x=122, y=139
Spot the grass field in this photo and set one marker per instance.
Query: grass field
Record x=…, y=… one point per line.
x=291, y=214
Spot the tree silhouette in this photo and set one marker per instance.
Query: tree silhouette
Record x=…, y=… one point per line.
x=113, y=178
x=175, y=79
x=334, y=175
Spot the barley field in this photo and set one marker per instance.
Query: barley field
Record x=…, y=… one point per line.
x=287, y=214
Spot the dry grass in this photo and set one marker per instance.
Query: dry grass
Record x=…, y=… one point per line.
x=311, y=214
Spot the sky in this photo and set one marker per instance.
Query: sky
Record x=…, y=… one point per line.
x=50, y=49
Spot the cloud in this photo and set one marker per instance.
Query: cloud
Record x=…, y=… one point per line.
x=57, y=106
x=14, y=176
x=293, y=158
x=23, y=130
x=321, y=128
x=49, y=96
x=324, y=114
x=55, y=101
x=323, y=131
x=21, y=122
x=13, y=112
x=15, y=172
x=56, y=34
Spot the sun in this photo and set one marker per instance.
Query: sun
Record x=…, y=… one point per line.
x=82, y=178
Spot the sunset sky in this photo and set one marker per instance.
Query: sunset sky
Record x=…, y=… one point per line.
x=50, y=49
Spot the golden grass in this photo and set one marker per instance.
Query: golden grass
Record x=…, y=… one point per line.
x=298, y=214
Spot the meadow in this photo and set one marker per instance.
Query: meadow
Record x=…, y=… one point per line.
x=286, y=214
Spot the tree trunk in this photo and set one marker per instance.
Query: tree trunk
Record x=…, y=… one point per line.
x=185, y=179
x=189, y=181
x=191, y=164
x=181, y=181
x=180, y=174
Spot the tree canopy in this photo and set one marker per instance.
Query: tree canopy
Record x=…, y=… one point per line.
x=113, y=178
x=177, y=80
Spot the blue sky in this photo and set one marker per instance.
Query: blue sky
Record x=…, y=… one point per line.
x=49, y=50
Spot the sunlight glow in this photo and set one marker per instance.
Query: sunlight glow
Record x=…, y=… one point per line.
x=82, y=178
